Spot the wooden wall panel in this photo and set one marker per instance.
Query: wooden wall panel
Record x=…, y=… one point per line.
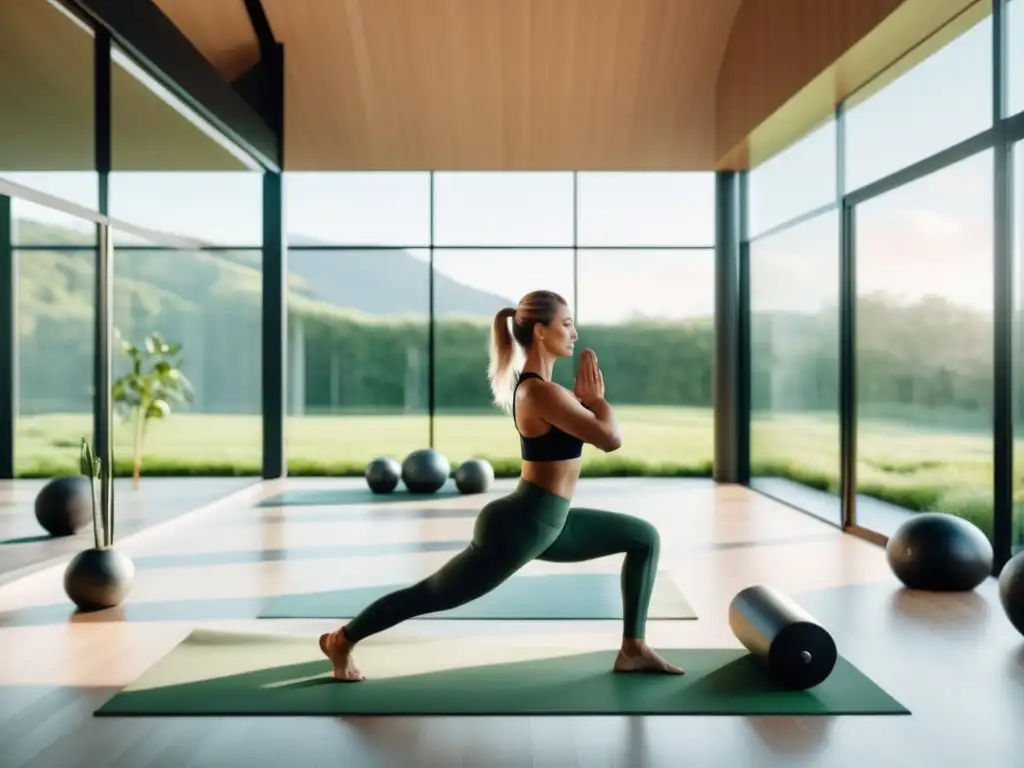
x=789, y=62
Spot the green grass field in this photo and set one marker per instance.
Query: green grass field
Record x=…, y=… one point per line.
x=915, y=468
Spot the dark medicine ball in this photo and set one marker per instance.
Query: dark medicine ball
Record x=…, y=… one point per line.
x=939, y=553
x=474, y=476
x=64, y=505
x=425, y=471
x=1011, y=591
x=382, y=474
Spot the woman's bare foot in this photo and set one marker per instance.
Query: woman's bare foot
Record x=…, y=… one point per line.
x=637, y=656
x=339, y=650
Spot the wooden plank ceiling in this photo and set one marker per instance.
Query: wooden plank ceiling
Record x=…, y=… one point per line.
x=485, y=84
x=476, y=84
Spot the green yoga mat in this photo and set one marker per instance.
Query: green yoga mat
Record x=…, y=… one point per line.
x=331, y=497
x=562, y=596
x=225, y=674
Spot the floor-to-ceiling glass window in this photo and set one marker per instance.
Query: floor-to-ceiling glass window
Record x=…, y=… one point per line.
x=1015, y=56
x=49, y=58
x=498, y=236
x=1017, y=541
x=387, y=266
x=358, y=318
x=794, y=350
x=649, y=315
x=187, y=286
x=923, y=349
x=645, y=303
x=793, y=267
x=470, y=286
x=937, y=95
x=923, y=271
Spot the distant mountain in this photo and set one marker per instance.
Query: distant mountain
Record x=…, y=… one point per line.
x=375, y=282
x=382, y=282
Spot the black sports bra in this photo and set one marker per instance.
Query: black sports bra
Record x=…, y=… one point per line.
x=553, y=445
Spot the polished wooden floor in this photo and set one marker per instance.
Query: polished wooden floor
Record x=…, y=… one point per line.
x=25, y=547
x=953, y=660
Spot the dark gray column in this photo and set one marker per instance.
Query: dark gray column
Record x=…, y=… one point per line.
x=727, y=368
x=1006, y=325
x=103, y=153
x=275, y=327
x=8, y=340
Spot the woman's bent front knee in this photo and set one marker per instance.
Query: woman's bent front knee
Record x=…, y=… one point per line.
x=646, y=534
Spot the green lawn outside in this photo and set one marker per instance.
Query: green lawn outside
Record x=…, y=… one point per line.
x=915, y=468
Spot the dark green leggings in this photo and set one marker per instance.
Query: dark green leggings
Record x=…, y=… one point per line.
x=528, y=524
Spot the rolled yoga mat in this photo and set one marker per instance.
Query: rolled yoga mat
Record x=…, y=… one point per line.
x=216, y=673
x=526, y=597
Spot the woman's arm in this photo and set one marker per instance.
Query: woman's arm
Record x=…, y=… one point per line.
x=593, y=423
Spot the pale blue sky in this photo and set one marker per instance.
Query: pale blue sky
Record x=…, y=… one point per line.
x=937, y=226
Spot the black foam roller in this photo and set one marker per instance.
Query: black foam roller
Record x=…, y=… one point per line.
x=795, y=650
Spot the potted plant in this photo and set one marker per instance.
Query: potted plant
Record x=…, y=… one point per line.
x=100, y=577
x=148, y=389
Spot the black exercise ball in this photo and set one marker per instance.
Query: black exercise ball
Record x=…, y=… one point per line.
x=939, y=553
x=99, y=578
x=64, y=505
x=1011, y=591
x=382, y=474
x=474, y=476
x=425, y=471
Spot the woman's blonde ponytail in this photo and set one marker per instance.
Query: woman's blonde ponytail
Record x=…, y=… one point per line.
x=502, y=354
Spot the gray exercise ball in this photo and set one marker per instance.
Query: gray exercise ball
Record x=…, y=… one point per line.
x=382, y=474
x=939, y=552
x=64, y=505
x=425, y=471
x=1011, y=591
x=99, y=578
x=474, y=476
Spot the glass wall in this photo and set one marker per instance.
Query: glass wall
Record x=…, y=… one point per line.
x=52, y=54
x=1015, y=55
x=657, y=210
x=933, y=98
x=470, y=286
x=793, y=272
x=1018, y=348
x=54, y=252
x=188, y=271
x=923, y=259
x=358, y=318
x=56, y=261
x=649, y=315
x=188, y=242
x=379, y=261
x=924, y=340
x=358, y=352
x=799, y=179
x=794, y=356
x=503, y=210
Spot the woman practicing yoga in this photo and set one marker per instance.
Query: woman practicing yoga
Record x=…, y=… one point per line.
x=535, y=521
